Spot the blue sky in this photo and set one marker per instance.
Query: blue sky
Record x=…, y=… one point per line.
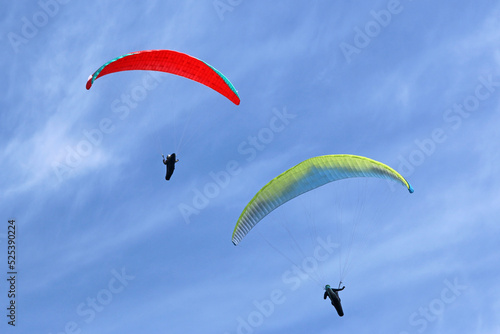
x=106, y=245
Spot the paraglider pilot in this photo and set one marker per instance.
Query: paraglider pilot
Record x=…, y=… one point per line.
x=334, y=297
x=170, y=163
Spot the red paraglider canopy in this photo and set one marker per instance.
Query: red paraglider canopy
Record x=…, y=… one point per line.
x=171, y=62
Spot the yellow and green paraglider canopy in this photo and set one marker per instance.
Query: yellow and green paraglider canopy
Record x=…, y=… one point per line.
x=308, y=175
